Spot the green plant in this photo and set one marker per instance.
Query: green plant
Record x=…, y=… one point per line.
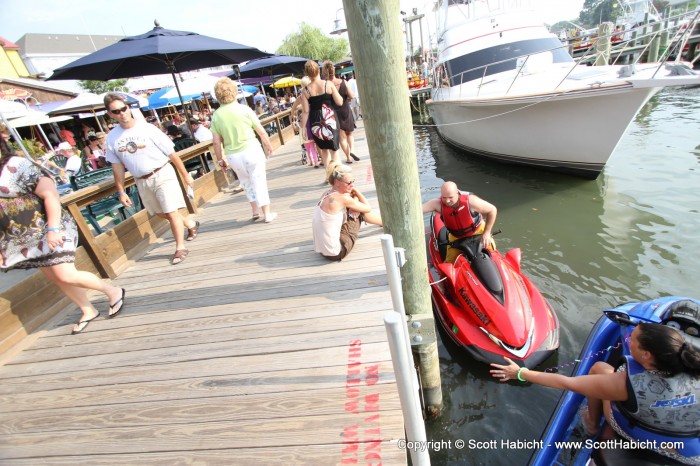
x=32, y=145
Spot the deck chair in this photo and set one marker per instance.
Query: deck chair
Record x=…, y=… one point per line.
x=193, y=166
x=108, y=205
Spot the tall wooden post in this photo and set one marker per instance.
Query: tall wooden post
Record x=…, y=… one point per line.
x=374, y=29
x=602, y=56
x=655, y=43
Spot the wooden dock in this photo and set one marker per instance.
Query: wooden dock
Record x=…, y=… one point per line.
x=253, y=350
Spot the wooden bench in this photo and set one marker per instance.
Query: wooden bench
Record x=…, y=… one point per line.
x=108, y=205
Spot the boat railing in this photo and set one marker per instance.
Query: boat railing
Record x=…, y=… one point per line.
x=638, y=45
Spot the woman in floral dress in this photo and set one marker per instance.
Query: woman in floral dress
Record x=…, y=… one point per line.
x=35, y=232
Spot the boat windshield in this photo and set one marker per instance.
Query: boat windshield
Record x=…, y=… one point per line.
x=502, y=57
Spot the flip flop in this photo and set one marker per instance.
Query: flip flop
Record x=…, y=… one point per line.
x=357, y=159
x=255, y=217
x=583, y=413
x=112, y=306
x=86, y=322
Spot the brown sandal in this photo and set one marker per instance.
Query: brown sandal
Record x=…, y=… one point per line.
x=192, y=232
x=180, y=255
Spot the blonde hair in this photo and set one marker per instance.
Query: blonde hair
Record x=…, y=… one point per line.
x=225, y=91
x=311, y=69
x=328, y=69
x=336, y=171
x=305, y=81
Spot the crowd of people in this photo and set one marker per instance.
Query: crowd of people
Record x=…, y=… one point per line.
x=146, y=148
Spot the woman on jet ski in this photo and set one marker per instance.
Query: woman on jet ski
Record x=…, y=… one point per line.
x=654, y=395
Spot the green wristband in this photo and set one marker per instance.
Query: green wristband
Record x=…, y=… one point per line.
x=519, y=377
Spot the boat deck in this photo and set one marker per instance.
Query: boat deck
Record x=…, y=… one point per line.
x=254, y=349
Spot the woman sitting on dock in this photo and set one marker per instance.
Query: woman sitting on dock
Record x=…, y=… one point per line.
x=338, y=214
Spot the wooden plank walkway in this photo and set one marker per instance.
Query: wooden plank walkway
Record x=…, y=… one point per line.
x=254, y=349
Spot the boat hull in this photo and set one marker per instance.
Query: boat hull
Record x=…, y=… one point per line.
x=508, y=90
x=571, y=132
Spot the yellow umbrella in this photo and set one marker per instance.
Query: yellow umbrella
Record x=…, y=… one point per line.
x=289, y=81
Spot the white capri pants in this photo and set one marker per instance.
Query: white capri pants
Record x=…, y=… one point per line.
x=249, y=165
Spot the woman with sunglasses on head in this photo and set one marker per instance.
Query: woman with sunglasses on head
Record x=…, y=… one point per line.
x=657, y=386
x=338, y=214
x=35, y=232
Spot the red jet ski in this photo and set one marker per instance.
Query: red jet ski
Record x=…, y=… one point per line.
x=485, y=303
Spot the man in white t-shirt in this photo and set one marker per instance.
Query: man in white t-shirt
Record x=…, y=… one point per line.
x=149, y=155
x=73, y=162
x=355, y=102
x=201, y=132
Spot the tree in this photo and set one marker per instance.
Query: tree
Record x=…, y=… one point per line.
x=595, y=12
x=100, y=87
x=310, y=42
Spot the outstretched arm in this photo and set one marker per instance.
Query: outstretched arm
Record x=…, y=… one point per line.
x=602, y=386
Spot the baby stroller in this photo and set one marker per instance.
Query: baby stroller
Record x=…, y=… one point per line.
x=304, y=157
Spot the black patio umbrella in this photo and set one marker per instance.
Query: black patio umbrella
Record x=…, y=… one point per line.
x=273, y=65
x=158, y=51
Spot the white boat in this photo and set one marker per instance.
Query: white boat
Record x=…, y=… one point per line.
x=510, y=91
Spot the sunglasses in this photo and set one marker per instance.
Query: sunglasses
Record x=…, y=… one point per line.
x=117, y=111
x=348, y=182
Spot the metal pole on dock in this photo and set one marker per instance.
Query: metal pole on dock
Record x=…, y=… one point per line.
x=408, y=387
x=374, y=30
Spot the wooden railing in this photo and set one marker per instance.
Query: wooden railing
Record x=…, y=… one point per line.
x=28, y=305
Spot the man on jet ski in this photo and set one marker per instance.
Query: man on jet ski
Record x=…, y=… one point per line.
x=465, y=214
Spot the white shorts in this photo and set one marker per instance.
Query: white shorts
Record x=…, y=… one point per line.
x=161, y=192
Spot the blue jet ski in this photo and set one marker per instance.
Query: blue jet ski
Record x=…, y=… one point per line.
x=608, y=341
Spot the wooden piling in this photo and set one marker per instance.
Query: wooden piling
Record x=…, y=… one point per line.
x=602, y=56
x=374, y=30
x=655, y=42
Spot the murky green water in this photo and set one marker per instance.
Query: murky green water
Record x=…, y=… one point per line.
x=632, y=234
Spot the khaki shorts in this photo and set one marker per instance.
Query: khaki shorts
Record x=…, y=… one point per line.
x=348, y=236
x=161, y=192
x=453, y=253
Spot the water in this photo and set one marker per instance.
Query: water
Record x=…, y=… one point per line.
x=632, y=234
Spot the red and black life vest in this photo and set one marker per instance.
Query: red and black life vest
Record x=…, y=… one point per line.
x=461, y=221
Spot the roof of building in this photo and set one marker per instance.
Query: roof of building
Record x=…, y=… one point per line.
x=7, y=45
x=57, y=87
x=64, y=43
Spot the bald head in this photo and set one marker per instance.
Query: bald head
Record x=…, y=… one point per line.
x=449, y=194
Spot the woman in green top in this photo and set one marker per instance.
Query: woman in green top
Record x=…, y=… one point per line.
x=234, y=126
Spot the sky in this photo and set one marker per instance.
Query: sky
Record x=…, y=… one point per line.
x=262, y=24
